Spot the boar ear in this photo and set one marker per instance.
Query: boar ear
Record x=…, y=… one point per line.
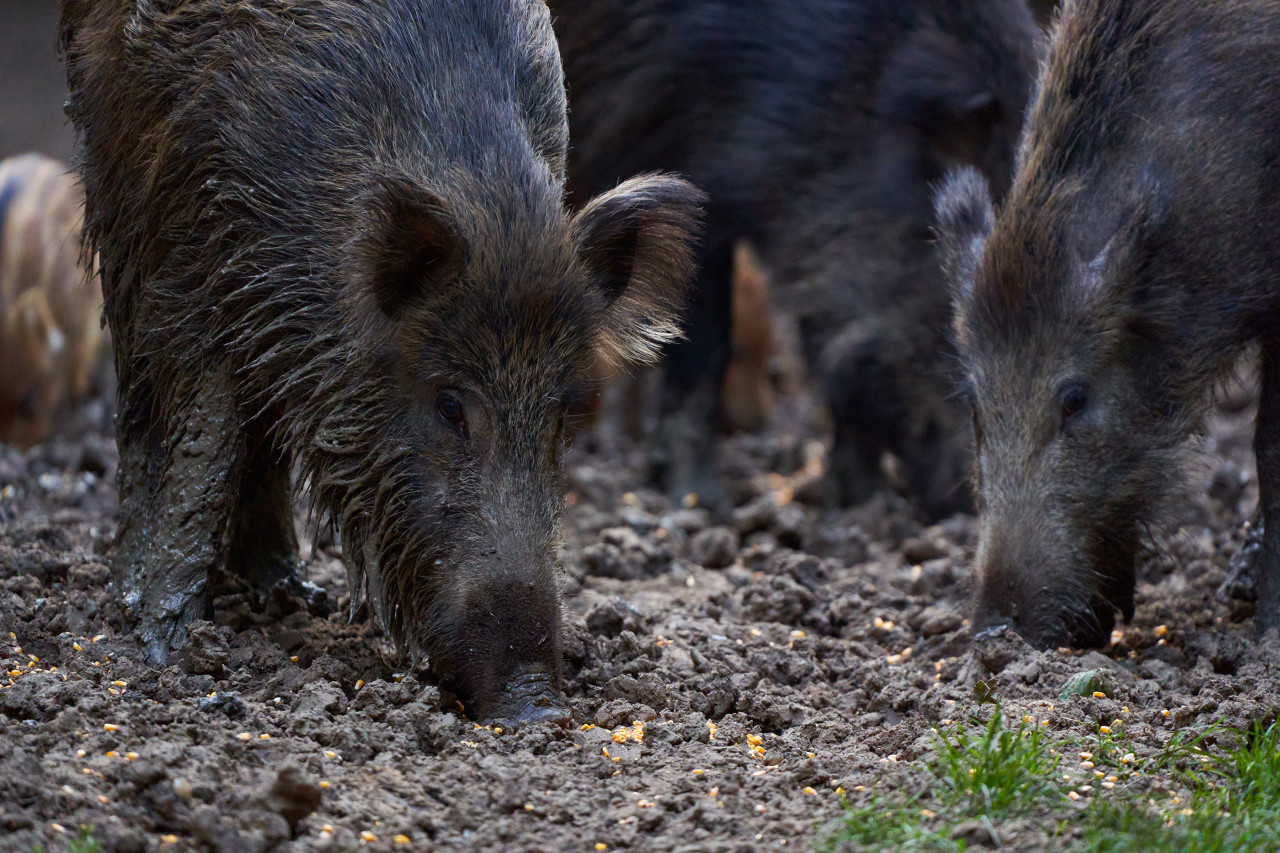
x=1115, y=269
x=638, y=242
x=409, y=244
x=931, y=82
x=962, y=206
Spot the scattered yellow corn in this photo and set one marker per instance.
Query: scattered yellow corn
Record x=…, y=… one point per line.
x=111, y=727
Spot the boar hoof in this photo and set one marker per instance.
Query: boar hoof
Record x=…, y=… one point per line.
x=1242, y=575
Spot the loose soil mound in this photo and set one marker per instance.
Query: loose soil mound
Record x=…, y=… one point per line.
x=730, y=683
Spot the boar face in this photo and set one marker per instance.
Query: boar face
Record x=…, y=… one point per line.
x=1075, y=443
x=484, y=326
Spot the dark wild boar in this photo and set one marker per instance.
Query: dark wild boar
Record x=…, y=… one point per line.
x=787, y=113
x=1134, y=262
x=332, y=235
x=51, y=337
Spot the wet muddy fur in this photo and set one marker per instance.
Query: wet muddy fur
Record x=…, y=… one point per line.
x=1132, y=265
x=333, y=240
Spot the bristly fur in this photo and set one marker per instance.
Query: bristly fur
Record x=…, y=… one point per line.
x=333, y=204
x=1134, y=262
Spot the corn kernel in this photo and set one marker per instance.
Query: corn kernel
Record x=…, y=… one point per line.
x=1098, y=694
x=359, y=684
x=111, y=727
x=810, y=791
x=368, y=837
x=244, y=736
x=1106, y=730
x=328, y=827
x=77, y=647
x=1161, y=630
x=402, y=839
x=600, y=845
x=324, y=783
x=1164, y=713
x=169, y=839
x=264, y=736
x=329, y=753
x=96, y=639
x=1073, y=795
x=293, y=658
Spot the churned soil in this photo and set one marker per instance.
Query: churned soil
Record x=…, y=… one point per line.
x=732, y=680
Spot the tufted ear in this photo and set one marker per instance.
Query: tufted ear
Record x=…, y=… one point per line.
x=964, y=218
x=1114, y=272
x=409, y=244
x=637, y=241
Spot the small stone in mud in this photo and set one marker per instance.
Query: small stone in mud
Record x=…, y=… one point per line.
x=623, y=554
x=228, y=703
x=920, y=550
x=1087, y=684
x=293, y=795
x=939, y=619
x=613, y=616
x=207, y=650
x=715, y=547
x=997, y=647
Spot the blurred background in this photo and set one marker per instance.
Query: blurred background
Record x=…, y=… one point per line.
x=32, y=86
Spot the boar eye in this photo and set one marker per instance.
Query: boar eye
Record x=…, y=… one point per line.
x=450, y=409
x=1074, y=399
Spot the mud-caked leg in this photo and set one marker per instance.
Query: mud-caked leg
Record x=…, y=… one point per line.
x=1267, y=447
x=179, y=475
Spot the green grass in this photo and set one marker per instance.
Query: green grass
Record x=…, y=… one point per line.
x=82, y=843
x=1235, y=805
x=984, y=776
x=979, y=778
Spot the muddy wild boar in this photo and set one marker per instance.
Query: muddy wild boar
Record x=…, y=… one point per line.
x=796, y=116
x=332, y=236
x=1133, y=263
x=50, y=306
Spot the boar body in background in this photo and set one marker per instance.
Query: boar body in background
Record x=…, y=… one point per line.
x=50, y=307
x=332, y=234
x=811, y=124
x=1135, y=260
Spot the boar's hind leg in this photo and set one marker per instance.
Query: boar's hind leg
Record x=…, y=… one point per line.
x=263, y=545
x=178, y=480
x=1267, y=447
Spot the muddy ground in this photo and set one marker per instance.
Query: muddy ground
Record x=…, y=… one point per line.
x=730, y=683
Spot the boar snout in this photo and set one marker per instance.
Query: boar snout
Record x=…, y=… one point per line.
x=529, y=696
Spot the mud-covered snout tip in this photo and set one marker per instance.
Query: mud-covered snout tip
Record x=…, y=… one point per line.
x=528, y=697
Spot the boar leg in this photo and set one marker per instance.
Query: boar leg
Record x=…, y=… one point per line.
x=263, y=545
x=1267, y=448
x=681, y=450
x=178, y=480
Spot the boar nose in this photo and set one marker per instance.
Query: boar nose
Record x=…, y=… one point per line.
x=528, y=697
